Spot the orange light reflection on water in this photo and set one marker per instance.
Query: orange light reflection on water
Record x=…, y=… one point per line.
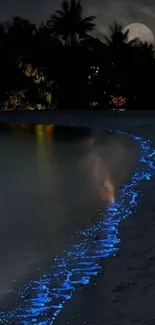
x=41, y=130
x=110, y=191
x=102, y=181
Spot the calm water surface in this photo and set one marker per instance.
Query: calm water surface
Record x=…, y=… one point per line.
x=52, y=181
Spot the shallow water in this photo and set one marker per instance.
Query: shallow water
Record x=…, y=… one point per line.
x=53, y=180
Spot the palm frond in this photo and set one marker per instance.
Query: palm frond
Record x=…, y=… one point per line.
x=107, y=40
x=65, y=6
x=59, y=13
x=126, y=34
x=53, y=20
x=89, y=19
x=68, y=22
x=133, y=41
x=79, y=8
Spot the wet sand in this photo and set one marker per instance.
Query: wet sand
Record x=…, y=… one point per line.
x=123, y=293
x=51, y=187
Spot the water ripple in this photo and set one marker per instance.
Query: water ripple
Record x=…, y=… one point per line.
x=39, y=302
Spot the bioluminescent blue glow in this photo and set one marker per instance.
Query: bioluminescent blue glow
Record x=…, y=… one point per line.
x=39, y=302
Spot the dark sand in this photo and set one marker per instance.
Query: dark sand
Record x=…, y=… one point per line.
x=124, y=292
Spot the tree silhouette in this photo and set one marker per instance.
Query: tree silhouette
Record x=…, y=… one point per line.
x=118, y=39
x=140, y=76
x=119, y=58
x=61, y=59
x=68, y=23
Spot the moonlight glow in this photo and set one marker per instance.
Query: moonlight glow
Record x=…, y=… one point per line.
x=137, y=30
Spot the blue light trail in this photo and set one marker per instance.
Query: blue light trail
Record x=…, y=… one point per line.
x=39, y=302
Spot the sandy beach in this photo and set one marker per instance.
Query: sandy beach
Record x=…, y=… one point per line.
x=123, y=292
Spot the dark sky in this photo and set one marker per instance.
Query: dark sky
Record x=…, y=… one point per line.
x=106, y=11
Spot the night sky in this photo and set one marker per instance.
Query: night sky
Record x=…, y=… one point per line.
x=106, y=11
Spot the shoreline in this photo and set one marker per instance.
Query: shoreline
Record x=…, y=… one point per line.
x=138, y=123
x=129, y=276
x=123, y=293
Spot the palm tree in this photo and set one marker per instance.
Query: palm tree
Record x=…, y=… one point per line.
x=21, y=33
x=140, y=75
x=119, y=57
x=20, y=29
x=118, y=39
x=131, y=68
x=68, y=23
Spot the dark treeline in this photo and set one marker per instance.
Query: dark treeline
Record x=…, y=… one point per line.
x=59, y=63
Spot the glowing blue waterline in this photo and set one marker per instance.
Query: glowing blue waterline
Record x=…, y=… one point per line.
x=41, y=301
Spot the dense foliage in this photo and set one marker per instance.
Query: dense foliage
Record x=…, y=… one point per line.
x=60, y=64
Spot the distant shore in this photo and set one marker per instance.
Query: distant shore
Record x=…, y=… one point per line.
x=138, y=122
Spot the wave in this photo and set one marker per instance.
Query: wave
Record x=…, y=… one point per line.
x=40, y=301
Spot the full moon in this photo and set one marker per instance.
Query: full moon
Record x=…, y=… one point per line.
x=140, y=31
